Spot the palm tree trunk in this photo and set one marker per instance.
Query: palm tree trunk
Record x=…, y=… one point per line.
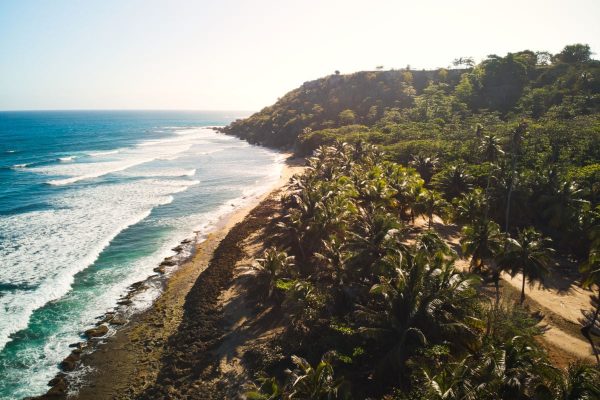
x=523, y=289
x=507, y=215
x=497, y=286
x=587, y=330
x=487, y=196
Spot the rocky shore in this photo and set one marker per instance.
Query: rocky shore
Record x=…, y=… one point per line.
x=144, y=355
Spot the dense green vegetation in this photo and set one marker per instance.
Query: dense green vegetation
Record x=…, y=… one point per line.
x=375, y=311
x=509, y=149
x=525, y=128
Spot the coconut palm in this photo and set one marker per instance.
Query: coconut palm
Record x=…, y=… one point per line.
x=429, y=203
x=321, y=209
x=453, y=382
x=424, y=301
x=333, y=258
x=469, y=207
x=431, y=244
x=491, y=148
x=375, y=237
x=528, y=254
x=424, y=165
x=318, y=383
x=270, y=267
x=591, y=277
x=580, y=382
x=303, y=383
x=407, y=185
x=373, y=190
x=514, y=369
x=482, y=242
x=516, y=138
x=453, y=182
x=561, y=204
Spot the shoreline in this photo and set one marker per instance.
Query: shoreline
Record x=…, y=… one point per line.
x=84, y=371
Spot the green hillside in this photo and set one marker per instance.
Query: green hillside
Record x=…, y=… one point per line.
x=375, y=306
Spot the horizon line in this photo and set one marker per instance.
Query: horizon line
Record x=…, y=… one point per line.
x=124, y=109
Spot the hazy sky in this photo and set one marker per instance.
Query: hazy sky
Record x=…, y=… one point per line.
x=242, y=55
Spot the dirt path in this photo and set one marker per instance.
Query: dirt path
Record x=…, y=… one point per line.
x=561, y=302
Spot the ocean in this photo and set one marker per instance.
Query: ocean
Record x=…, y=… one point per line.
x=90, y=203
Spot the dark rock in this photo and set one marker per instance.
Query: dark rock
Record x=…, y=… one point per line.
x=57, y=390
x=97, y=332
x=137, y=285
x=168, y=262
x=57, y=379
x=161, y=269
x=118, y=321
x=70, y=362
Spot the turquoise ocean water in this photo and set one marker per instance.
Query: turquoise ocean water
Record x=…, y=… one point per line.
x=91, y=202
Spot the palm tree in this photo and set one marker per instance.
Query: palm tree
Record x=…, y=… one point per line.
x=482, y=241
x=591, y=274
x=431, y=244
x=454, y=181
x=318, y=383
x=407, y=185
x=429, y=203
x=304, y=382
x=491, y=149
x=581, y=382
x=376, y=236
x=469, y=207
x=270, y=267
x=515, y=148
x=529, y=255
x=453, y=382
x=373, y=189
x=426, y=300
x=425, y=166
x=562, y=203
x=516, y=369
x=318, y=210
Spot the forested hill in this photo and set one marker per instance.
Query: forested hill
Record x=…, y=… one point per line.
x=526, y=83
x=527, y=124
x=509, y=150
x=337, y=100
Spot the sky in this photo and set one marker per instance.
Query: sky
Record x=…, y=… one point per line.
x=243, y=55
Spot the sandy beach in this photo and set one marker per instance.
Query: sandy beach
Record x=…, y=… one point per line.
x=132, y=360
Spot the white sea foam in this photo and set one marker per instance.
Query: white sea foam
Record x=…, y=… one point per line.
x=164, y=149
x=162, y=173
x=42, y=251
x=19, y=166
x=102, y=153
x=66, y=159
x=45, y=249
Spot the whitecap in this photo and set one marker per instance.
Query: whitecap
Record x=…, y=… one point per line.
x=19, y=166
x=45, y=249
x=102, y=153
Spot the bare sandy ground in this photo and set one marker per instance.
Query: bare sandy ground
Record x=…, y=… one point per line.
x=561, y=301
